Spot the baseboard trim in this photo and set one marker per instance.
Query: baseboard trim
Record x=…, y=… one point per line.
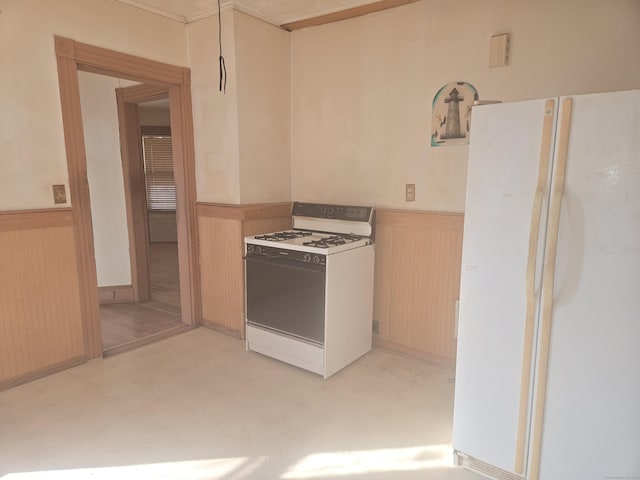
x=43, y=372
x=141, y=342
x=222, y=329
x=115, y=294
x=412, y=352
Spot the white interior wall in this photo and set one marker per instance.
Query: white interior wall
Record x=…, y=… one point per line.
x=264, y=93
x=362, y=89
x=31, y=135
x=215, y=115
x=104, y=172
x=242, y=137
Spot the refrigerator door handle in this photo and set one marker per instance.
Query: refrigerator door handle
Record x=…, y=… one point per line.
x=534, y=233
x=544, y=334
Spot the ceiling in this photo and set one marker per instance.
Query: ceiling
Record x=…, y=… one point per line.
x=277, y=12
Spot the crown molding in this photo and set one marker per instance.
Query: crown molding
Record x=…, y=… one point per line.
x=358, y=4
x=362, y=7
x=256, y=14
x=210, y=12
x=156, y=11
x=194, y=17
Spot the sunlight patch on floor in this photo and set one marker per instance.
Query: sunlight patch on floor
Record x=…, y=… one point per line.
x=334, y=464
x=218, y=469
x=315, y=466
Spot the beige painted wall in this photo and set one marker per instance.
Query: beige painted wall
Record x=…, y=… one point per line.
x=104, y=172
x=215, y=115
x=31, y=135
x=362, y=88
x=264, y=92
x=242, y=138
x=361, y=91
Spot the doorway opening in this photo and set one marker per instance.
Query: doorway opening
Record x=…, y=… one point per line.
x=164, y=280
x=151, y=81
x=138, y=270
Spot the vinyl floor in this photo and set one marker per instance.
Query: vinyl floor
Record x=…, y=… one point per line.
x=198, y=406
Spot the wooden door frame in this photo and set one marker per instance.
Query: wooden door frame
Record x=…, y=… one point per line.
x=72, y=57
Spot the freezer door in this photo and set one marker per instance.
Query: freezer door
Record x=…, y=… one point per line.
x=591, y=427
x=504, y=161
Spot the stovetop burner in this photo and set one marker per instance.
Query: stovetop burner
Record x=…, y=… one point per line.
x=333, y=240
x=320, y=230
x=280, y=236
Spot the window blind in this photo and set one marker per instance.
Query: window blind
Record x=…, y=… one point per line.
x=158, y=167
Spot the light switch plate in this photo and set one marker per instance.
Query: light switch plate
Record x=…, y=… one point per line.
x=59, y=194
x=410, y=192
x=499, y=51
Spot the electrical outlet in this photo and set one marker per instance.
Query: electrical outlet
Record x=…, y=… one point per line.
x=59, y=194
x=410, y=192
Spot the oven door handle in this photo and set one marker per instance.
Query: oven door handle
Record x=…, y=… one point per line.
x=281, y=261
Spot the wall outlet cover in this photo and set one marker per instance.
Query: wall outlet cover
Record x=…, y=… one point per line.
x=59, y=194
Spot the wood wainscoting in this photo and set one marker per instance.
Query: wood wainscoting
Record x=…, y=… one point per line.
x=41, y=328
x=221, y=231
x=417, y=282
x=417, y=273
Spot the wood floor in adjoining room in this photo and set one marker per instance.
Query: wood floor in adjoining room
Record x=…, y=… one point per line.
x=127, y=323
x=163, y=273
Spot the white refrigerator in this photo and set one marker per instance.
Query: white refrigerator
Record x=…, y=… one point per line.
x=548, y=364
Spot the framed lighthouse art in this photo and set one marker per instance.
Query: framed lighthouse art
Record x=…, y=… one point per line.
x=451, y=121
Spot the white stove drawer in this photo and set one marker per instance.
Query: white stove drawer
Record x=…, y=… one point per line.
x=287, y=349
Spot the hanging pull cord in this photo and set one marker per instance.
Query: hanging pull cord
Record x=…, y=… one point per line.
x=223, y=75
x=223, y=67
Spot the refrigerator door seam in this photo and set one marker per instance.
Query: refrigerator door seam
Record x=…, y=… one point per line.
x=551, y=246
x=542, y=186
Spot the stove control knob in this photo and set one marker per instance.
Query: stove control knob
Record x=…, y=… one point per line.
x=249, y=248
x=259, y=250
x=306, y=257
x=330, y=212
x=316, y=259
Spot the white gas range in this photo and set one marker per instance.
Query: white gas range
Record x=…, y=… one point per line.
x=309, y=290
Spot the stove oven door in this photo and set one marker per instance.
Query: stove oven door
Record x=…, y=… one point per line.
x=286, y=296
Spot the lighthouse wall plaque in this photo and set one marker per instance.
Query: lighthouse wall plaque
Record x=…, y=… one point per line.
x=452, y=114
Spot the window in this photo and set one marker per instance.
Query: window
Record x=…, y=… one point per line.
x=158, y=169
